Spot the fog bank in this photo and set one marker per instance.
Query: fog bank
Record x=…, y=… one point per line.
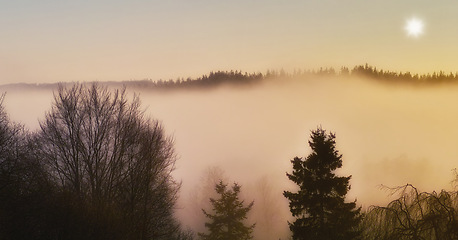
x=388, y=134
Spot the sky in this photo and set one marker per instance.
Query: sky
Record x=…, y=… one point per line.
x=53, y=41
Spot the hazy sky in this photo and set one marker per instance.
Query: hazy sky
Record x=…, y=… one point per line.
x=51, y=40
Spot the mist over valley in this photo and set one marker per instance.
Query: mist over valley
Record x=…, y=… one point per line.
x=389, y=134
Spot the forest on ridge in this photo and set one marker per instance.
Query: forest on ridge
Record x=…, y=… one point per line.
x=232, y=77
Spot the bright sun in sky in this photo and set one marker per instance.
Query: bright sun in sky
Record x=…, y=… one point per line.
x=414, y=27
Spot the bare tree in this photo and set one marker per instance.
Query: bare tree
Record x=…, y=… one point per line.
x=11, y=143
x=268, y=212
x=414, y=215
x=116, y=163
x=24, y=189
x=198, y=198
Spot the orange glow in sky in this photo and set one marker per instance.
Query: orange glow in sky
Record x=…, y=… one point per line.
x=118, y=40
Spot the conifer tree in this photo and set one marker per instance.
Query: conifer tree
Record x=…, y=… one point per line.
x=319, y=206
x=227, y=221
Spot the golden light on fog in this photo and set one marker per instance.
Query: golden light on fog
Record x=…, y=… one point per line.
x=414, y=27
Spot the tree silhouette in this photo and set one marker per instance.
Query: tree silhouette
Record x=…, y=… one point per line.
x=199, y=196
x=268, y=211
x=319, y=206
x=26, y=195
x=414, y=215
x=226, y=223
x=112, y=165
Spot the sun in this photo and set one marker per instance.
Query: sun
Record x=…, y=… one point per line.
x=414, y=27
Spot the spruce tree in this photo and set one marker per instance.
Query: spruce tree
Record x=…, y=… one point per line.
x=229, y=214
x=319, y=205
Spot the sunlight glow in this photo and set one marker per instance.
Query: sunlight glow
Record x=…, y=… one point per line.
x=414, y=27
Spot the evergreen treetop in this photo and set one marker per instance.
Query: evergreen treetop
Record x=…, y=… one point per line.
x=227, y=221
x=319, y=205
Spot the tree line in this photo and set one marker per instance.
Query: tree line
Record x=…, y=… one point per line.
x=97, y=168
x=239, y=78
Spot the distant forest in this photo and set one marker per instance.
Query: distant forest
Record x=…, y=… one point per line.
x=239, y=78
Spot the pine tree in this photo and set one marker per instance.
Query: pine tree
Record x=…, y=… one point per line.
x=319, y=206
x=229, y=213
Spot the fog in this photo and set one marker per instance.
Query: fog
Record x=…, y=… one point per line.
x=388, y=134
